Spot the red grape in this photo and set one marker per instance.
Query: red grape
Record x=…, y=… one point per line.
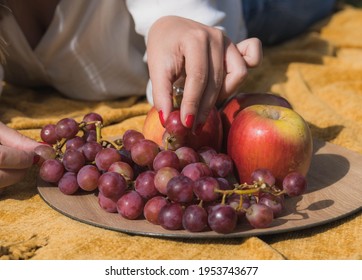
x=122, y=168
x=45, y=152
x=194, y=218
x=73, y=160
x=180, y=189
x=131, y=137
x=48, y=134
x=206, y=154
x=144, y=152
x=224, y=184
x=174, y=126
x=196, y=170
x=90, y=149
x=222, y=218
x=51, y=170
x=170, y=216
x=166, y=158
x=66, y=128
x=172, y=142
x=205, y=187
x=163, y=176
x=274, y=202
x=221, y=165
x=259, y=215
x=90, y=135
x=68, y=184
x=107, y=204
x=145, y=184
x=106, y=157
x=92, y=117
x=87, y=177
x=263, y=175
x=294, y=184
x=130, y=205
x=75, y=143
x=112, y=185
x=152, y=208
x=186, y=156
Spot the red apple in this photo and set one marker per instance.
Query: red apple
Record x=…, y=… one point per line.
x=242, y=100
x=272, y=137
x=210, y=134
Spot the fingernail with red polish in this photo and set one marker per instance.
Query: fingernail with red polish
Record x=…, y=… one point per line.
x=160, y=115
x=189, y=121
x=36, y=159
x=44, y=143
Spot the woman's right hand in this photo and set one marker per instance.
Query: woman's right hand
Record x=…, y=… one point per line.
x=16, y=155
x=212, y=67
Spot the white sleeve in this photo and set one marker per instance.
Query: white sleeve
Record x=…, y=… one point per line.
x=146, y=12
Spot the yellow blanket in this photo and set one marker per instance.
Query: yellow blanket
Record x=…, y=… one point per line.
x=320, y=73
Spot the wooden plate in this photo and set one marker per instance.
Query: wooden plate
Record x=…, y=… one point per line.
x=334, y=191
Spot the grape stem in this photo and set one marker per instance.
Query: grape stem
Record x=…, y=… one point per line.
x=59, y=146
x=169, y=141
x=246, y=189
x=98, y=125
x=104, y=142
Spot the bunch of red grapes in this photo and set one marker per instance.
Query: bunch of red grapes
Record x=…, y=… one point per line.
x=173, y=186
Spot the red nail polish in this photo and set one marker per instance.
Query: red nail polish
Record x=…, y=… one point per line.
x=36, y=159
x=189, y=121
x=44, y=143
x=160, y=115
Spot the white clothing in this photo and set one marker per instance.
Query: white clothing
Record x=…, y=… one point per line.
x=94, y=50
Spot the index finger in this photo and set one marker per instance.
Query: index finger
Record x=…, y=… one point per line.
x=12, y=138
x=12, y=158
x=197, y=71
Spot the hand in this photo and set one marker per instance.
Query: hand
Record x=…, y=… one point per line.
x=16, y=155
x=211, y=66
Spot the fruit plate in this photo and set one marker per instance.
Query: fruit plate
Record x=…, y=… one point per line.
x=334, y=191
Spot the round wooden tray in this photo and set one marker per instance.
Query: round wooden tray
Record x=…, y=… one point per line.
x=334, y=191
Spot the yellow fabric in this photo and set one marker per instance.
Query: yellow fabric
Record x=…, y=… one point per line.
x=319, y=72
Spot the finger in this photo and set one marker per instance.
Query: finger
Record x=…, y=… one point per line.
x=12, y=138
x=252, y=52
x=12, y=158
x=196, y=68
x=161, y=90
x=235, y=69
x=11, y=176
x=215, y=77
